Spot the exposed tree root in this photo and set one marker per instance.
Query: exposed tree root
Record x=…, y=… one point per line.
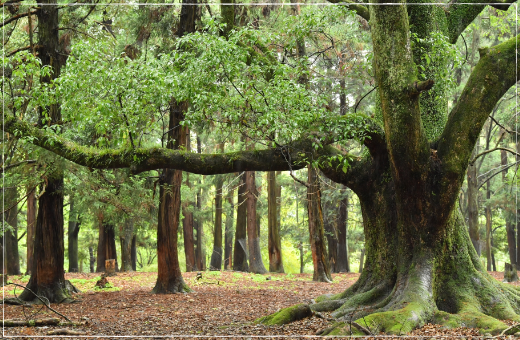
x=286, y=315
x=177, y=286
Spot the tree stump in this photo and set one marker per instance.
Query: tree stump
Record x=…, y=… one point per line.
x=110, y=267
x=510, y=274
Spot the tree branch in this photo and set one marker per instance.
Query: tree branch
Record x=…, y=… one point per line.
x=360, y=10
x=460, y=16
x=28, y=161
x=16, y=17
x=491, y=150
x=490, y=80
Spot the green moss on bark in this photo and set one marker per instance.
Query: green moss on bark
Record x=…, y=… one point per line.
x=286, y=315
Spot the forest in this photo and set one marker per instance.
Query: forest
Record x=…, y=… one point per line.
x=274, y=168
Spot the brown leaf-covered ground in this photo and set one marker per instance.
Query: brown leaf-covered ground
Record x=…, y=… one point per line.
x=221, y=304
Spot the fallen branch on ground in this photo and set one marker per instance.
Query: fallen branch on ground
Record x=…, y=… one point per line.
x=31, y=323
x=65, y=331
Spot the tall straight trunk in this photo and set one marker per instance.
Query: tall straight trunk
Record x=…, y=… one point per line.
x=48, y=276
x=510, y=229
x=488, y=227
x=73, y=233
x=300, y=247
x=239, y=252
x=198, y=225
x=169, y=277
x=126, y=237
x=253, y=242
x=342, y=98
x=342, y=264
x=317, y=238
x=101, y=249
x=31, y=226
x=216, y=256
x=12, y=257
x=133, y=254
x=274, y=241
x=332, y=236
x=92, y=259
x=473, y=205
x=228, y=231
x=187, y=222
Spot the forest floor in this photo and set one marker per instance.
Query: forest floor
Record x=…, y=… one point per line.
x=221, y=304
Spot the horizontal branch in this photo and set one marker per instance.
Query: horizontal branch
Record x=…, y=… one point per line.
x=28, y=161
x=360, y=10
x=491, y=150
x=16, y=17
x=143, y=159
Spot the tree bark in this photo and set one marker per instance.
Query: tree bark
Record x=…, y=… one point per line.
x=228, y=233
x=169, y=277
x=256, y=264
x=133, y=254
x=317, y=238
x=331, y=233
x=198, y=225
x=73, y=233
x=92, y=259
x=274, y=241
x=31, y=225
x=12, y=257
x=343, y=265
x=216, y=256
x=473, y=205
x=487, y=211
x=106, y=246
x=187, y=222
x=240, y=253
x=126, y=238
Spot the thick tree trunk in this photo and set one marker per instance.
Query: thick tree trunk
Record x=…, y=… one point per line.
x=343, y=265
x=169, y=277
x=73, y=233
x=12, y=257
x=126, y=238
x=48, y=275
x=216, y=256
x=256, y=264
x=31, y=226
x=101, y=249
x=274, y=241
x=228, y=232
x=106, y=246
x=239, y=251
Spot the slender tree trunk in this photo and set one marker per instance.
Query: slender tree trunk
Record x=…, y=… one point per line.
x=253, y=242
x=73, y=233
x=300, y=247
x=317, y=237
x=12, y=257
x=228, y=234
x=133, y=254
x=126, y=238
x=343, y=265
x=216, y=256
x=473, y=205
x=510, y=227
x=487, y=211
x=31, y=226
x=187, y=222
x=92, y=259
x=198, y=225
x=239, y=252
x=274, y=241
x=101, y=249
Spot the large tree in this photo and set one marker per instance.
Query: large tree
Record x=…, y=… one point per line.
x=421, y=265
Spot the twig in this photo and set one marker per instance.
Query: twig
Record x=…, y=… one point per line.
x=39, y=298
x=508, y=328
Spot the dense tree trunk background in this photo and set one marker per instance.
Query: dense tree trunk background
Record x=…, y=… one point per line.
x=73, y=232
x=216, y=256
x=126, y=238
x=273, y=217
x=12, y=257
x=256, y=264
x=342, y=264
x=239, y=251
x=228, y=233
x=31, y=226
x=106, y=246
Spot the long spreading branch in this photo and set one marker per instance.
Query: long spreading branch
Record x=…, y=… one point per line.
x=16, y=17
x=491, y=150
x=360, y=10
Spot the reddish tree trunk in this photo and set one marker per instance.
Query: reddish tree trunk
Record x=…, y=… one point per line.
x=228, y=234
x=31, y=226
x=106, y=246
x=273, y=211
